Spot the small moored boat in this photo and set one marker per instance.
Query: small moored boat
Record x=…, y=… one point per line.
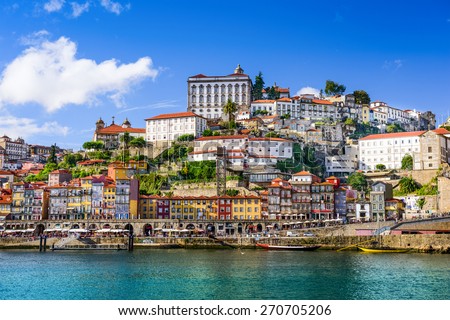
x=299, y=248
x=382, y=250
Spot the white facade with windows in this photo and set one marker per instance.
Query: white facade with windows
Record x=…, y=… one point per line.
x=208, y=94
x=168, y=127
x=343, y=164
x=428, y=149
x=304, y=107
x=388, y=149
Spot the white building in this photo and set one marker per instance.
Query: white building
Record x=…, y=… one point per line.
x=242, y=150
x=270, y=147
x=14, y=149
x=208, y=94
x=344, y=164
x=389, y=149
x=205, y=148
x=303, y=107
x=166, y=128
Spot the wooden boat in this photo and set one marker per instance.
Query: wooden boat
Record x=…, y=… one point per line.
x=299, y=248
x=382, y=250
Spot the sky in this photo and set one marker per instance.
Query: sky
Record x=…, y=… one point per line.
x=66, y=63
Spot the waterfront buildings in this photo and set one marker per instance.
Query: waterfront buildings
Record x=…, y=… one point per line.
x=208, y=94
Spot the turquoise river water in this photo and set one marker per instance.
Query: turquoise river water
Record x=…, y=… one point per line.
x=221, y=274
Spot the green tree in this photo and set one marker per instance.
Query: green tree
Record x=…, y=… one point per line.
x=421, y=203
x=380, y=167
x=95, y=145
x=272, y=135
x=272, y=93
x=407, y=162
x=125, y=139
x=230, y=109
x=350, y=122
x=70, y=160
x=361, y=97
x=52, y=157
x=186, y=137
x=232, y=192
x=138, y=142
x=333, y=88
x=407, y=185
x=258, y=87
x=395, y=127
x=358, y=181
x=207, y=133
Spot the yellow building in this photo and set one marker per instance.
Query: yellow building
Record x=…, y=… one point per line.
x=74, y=201
x=365, y=113
x=246, y=207
x=86, y=200
x=5, y=206
x=109, y=199
x=148, y=206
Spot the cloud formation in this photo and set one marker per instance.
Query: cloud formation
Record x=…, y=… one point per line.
x=50, y=75
x=113, y=6
x=53, y=5
x=393, y=65
x=79, y=9
x=309, y=90
x=25, y=127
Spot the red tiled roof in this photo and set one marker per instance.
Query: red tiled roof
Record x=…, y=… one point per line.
x=269, y=139
x=284, y=99
x=263, y=101
x=222, y=137
x=320, y=101
x=441, y=131
x=393, y=135
x=303, y=173
x=173, y=115
x=116, y=129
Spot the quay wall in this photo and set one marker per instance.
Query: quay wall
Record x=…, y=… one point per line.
x=439, y=243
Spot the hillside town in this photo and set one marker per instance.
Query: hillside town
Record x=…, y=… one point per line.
x=241, y=152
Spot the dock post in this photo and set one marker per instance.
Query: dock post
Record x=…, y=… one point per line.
x=40, y=243
x=45, y=243
x=130, y=242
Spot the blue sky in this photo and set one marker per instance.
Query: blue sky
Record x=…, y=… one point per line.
x=64, y=64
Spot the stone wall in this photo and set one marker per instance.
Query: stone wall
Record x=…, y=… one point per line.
x=444, y=194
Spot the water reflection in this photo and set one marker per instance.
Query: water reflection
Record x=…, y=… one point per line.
x=222, y=274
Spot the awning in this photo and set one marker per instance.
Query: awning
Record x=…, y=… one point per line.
x=78, y=231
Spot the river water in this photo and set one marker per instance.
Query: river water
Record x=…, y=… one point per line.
x=168, y=274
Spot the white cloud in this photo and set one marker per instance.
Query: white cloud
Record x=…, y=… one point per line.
x=53, y=5
x=35, y=38
x=113, y=6
x=25, y=127
x=50, y=75
x=393, y=65
x=79, y=9
x=309, y=90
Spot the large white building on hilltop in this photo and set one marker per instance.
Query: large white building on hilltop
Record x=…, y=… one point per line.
x=163, y=129
x=428, y=149
x=208, y=94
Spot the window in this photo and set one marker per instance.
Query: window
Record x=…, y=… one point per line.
x=430, y=149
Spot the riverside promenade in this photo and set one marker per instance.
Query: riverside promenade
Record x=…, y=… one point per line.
x=426, y=235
